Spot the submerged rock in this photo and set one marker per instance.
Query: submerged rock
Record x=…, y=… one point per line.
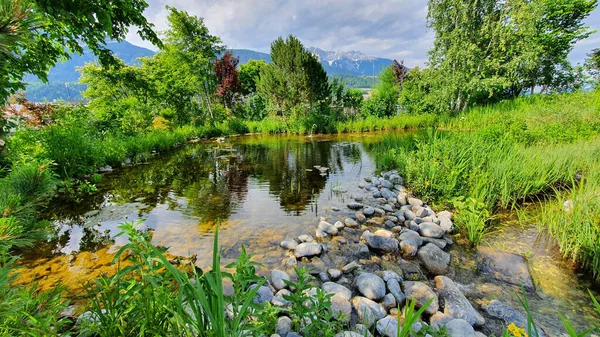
x=506, y=267
x=508, y=314
x=455, y=303
x=355, y=205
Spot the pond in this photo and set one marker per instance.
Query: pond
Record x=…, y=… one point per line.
x=261, y=190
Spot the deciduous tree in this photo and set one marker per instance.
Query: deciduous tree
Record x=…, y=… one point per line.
x=35, y=34
x=228, y=82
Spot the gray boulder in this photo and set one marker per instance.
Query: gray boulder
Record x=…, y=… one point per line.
x=460, y=328
x=284, y=326
x=421, y=293
x=381, y=243
x=368, y=311
x=307, y=250
x=434, y=259
x=394, y=289
x=263, y=295
x=508, y=314
x=455, y=303
x=371, y=286
x=327, y=228
x=350, y=223
x=337, y=290
x=278, y=278
x=288, y=244
x=430, y=230
x=387, y=326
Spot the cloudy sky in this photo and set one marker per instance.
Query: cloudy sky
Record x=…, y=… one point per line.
x=385, y=28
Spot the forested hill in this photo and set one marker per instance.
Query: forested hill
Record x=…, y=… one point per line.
x=353, y=66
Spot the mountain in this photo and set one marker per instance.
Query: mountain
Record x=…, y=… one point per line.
x=335, y=62
x=351, y=62
x=64, y=76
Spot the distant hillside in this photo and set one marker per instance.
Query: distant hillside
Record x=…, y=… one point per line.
x=335, y=62
x=63, y=78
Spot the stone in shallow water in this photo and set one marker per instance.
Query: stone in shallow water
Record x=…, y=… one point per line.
x=506, y=267
x=306, y=238
x=456, y=304
x=355, y=205
x=508, y=314
x=369, y=211
x=350, y=223
x=288, y=244
x=327, y=228
x=307, y=250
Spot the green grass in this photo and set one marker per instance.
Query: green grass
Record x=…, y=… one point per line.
x=498, y=156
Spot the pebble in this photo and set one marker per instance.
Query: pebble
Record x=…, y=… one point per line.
x=350, y=223
x=284, y=326
x=334, y=274
x=387, y=326
x=350, y=267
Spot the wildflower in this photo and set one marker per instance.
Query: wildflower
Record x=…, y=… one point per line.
x=516, y=331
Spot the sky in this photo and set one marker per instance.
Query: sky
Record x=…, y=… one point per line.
x=392, y=29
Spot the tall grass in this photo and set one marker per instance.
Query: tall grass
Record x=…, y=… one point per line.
x=399, y=122
x=574, y=220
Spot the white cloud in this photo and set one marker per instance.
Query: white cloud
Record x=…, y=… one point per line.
x=384, y=28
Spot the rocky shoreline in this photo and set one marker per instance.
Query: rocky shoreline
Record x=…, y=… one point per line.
x=394, y=248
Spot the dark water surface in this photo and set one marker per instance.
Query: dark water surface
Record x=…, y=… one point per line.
x=262, y=190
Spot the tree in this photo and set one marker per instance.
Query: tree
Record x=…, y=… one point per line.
x=384, y=100
x=184, y=68
x=592, y=64
x=228, y=82
x=249, y=75
x=295, y=76
x=35, y=34
x=492, y=49
x=400, y=71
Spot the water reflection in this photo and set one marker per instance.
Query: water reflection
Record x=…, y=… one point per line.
x=252, y=182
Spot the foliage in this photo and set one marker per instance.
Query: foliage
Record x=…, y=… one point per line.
x=228, y=82
x=592, y=63
x=249, y=75
x=488, y=50
x=37, y=34
x=23, y=310
x=472, y=216
x=384, y=100
x=357, y=82
x=25, y=188
x=294, y=77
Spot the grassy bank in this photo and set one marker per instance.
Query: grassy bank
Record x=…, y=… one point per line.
x=497, y=156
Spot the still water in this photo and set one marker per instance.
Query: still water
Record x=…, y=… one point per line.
x=262, y=190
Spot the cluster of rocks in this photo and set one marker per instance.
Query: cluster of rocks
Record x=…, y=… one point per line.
x=402, y=237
